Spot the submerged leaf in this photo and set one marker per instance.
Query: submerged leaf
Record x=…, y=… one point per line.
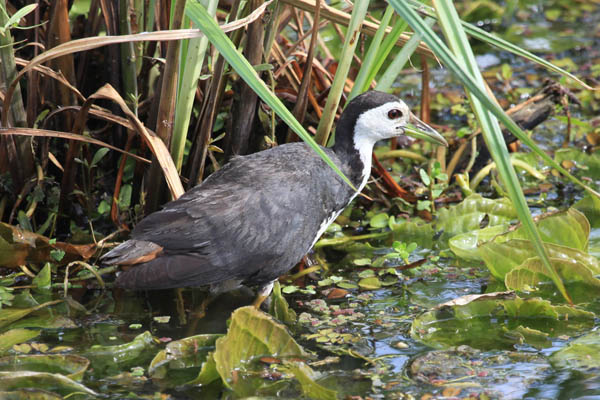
x=186, y=353
x=10, y=315
x=70, y=365
x=56, y=383
x=306, y=376
x=490, y=321
x=113, y=359
x=581, y=354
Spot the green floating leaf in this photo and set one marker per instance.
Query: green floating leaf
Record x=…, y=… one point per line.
x=184, y=354
x=490, y=321
x=371, y=283
x=347, y=285
x=379, y=221
x=252, y=334
x=110, y=360
x=466, y=245
x=55, y=383
x=307, y=378
x=361, y=262
x=580, y=355
x=501, y=258
x=567, y=228
x=70, y=365
x=280, y=308
x=15, y=336
x=469, y=215
x=532, y=272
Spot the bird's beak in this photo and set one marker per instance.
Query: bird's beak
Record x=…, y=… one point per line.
x=420, y=130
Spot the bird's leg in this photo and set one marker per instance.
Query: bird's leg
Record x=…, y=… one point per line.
x=180, y=306
x=200, y=311
x=263, y=293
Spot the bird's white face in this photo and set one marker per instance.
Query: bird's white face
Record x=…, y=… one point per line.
x=388, y=120
x=383, y=122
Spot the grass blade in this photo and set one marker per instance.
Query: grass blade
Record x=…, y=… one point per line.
x=452, y=63
x=465, y=67
x=362, y=81
x=337, y=87
x=215, y=35
x=391, y=73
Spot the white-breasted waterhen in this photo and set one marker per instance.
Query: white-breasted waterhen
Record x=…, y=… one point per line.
x=254, y=219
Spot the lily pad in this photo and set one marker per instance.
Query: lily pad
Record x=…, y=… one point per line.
x=568, y=228
x=590, y=206
x=419, y=232
x=466, y=245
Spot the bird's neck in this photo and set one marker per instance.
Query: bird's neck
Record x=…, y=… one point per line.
x=357, y=155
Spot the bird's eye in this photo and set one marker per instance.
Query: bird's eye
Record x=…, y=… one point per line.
x=394, y=114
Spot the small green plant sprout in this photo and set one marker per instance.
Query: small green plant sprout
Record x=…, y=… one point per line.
x=436, y=181
x=289, y=289
x=402, y=250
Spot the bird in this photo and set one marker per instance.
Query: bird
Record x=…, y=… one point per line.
x=252, y=220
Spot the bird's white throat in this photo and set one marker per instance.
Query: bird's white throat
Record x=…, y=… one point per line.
x=364, y=145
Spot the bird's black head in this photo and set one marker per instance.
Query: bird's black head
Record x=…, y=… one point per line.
x=374, y=116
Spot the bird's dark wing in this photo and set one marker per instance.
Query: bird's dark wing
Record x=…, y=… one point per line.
x=246, y=217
